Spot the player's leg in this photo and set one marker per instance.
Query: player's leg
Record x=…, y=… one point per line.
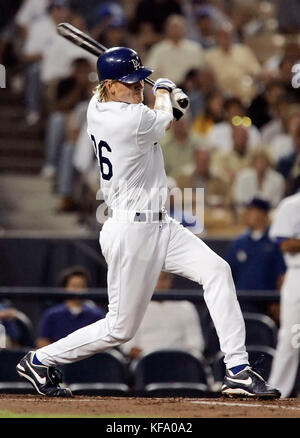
x=135, y=257
x=285, y=363
x=190, y=257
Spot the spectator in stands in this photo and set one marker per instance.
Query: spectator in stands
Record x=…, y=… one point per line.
x=111, y=26
x=289, y=166
x=166, y=325
x=235, y=65
x=61, y=320
x=290, y=49
x=220, y=135
x=59, y=58
x=178, y=145
x=216, y=193
x=175, y=55
x=286, y=75
x=247, y=18
x=154, y=13
x=199, y=174
x=29, y=13
x=213, y=113
x=69, y=93
x=276, y=125
x=66, y=174
x=205, y=25
x=198, y=84
x=258, y=180
x=263, y=107
x=39, y=39
x=227, y=164
x=282, y=145
x=15, y=326
x=255, y=260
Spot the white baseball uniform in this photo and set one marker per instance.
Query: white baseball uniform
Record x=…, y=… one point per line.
x=137, y=246
x=286, y=224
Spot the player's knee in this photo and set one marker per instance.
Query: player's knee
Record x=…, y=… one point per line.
x=122, y=335
x=221, y=267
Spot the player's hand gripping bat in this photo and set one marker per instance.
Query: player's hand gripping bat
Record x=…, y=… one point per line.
x=83, y=40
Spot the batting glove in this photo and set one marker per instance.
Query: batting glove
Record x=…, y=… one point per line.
x=165, y=84
x=180, y=103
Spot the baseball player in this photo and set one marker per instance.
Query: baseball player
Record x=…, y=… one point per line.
x=139, y=239
x=286, y=229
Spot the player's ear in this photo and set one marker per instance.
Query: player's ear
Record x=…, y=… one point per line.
x=109, y=86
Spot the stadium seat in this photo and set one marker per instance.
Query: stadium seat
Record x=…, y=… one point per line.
x=10, y=382
x=171, y=373
x=103, y=374
x=260, y=330
x=260, y=356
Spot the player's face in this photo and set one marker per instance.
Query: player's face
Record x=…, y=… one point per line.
x=128, y=93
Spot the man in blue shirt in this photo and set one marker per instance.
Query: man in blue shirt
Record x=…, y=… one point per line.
x=61, y=320
x=255, y=260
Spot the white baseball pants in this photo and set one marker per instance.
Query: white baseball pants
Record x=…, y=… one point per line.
x=136, y=252
x=286, y=360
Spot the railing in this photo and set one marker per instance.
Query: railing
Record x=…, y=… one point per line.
x=196, y=296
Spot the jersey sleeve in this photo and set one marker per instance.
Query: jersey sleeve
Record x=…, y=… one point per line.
x=152, y=126
x=283, y=224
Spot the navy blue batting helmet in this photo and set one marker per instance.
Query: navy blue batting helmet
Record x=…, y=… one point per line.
x=122, y=64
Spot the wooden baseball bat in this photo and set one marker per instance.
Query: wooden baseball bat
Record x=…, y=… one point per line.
x=88, y=43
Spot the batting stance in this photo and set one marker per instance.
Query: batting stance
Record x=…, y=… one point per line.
x=139, y=239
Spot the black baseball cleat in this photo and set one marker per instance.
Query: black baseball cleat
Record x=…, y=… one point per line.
x=44, y=379
x=247, y=383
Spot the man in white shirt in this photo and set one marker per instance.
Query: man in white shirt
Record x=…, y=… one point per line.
x=30, y=12
x=235, y=65
x=175, y=55
x=139, y=239
x=167, y=324
x=39, y=40
x=220, y=135
x=286, y=229
x=258, y=180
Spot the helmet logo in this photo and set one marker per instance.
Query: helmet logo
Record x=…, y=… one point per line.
x=136, y=64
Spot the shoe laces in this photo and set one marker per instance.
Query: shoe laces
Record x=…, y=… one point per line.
x=55, y=375
x=258, y=366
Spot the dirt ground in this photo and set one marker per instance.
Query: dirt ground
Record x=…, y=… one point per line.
x=108, y=407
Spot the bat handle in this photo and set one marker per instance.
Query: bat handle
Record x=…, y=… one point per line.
x=149, y=81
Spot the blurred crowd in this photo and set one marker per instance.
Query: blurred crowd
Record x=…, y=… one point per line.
x=234, y=59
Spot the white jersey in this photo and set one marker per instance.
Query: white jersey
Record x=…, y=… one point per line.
x=286, y=224
x=125, y=138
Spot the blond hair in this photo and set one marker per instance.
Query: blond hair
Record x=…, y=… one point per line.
x=101, y=90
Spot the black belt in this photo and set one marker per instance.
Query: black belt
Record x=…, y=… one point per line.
x=142, y=217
